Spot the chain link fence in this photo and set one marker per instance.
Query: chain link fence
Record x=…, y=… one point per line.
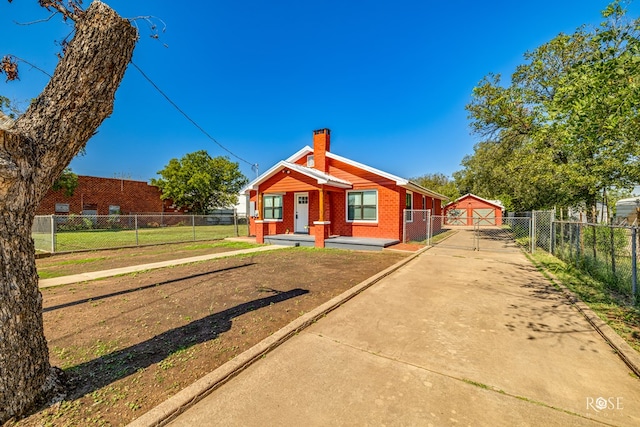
x=511, y=234
x=608, y=253
x=69, y=233
x=416, y=225
x=473, y=233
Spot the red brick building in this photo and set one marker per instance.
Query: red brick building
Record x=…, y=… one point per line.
x=105, y=196
x=322, y=194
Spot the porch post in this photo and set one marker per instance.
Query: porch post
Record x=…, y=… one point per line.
x=258, y=221
x=259, y=205
x=321, y=216
x=321, y=230
x=259, y=231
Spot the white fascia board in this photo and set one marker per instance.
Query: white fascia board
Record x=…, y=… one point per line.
x=422, y=190
x=397, y=179
x=320, y=177
x=299, y=154
x=402, y=182
x=477, y=197
x=253, y=185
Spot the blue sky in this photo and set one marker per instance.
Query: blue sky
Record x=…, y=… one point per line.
x=389, y=78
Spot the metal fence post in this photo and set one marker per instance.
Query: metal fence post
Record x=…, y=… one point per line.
x=532, y=230
x=53, y=234
x=428, y=230
x=634, y=262
x=552, y=233
x=235, y=222
x=552, y=244
x=135, y=224
x=193, y=225
x=613, y=247
x=404, y=226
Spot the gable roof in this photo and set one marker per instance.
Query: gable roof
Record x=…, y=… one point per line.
x=320, y=177
x=401, y=182
x=495, y=203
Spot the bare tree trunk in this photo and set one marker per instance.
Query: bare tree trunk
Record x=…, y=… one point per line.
x=32, y=155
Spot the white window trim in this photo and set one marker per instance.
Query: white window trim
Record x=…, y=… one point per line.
x=360, y=221
x=410, y=207
x=272, y=195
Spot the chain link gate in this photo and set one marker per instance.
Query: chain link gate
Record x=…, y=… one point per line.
x=511, y=234
x=474, y=233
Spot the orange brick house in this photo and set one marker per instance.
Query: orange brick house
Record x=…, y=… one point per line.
x=324, y=196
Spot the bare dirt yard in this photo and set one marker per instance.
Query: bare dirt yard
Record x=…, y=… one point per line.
x=128, y=343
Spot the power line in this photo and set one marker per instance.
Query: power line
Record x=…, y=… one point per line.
x=253, y=165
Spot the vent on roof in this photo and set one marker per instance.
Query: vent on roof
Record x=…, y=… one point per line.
x=310, y=162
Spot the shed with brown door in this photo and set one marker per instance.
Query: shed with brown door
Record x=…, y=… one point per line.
x=473, y=210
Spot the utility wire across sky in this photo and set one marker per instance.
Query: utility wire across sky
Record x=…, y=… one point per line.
x=254, y=166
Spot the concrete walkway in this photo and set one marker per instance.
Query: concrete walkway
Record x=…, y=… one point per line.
x=83, y=277
x=455, y=337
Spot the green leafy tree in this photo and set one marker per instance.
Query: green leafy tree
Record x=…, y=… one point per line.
x=566, y=127
x=201, y=182
x=7, y=108
x=67, y=181
x=440, y=183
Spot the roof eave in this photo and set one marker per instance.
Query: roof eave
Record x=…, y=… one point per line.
x=420, y=189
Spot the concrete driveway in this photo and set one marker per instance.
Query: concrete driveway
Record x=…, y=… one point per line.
x=455, y=337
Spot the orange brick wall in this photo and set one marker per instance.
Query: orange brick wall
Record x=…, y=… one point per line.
x=131, y=196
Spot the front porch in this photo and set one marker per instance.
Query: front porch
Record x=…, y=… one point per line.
x=335, y=242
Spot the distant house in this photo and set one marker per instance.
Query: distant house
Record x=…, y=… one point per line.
x=322, y=195
x=627, y=210
x=105, y=196
x=473, y=210
x=241, y=206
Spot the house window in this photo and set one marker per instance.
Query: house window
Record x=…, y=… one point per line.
x=310, y=162
x=272, y=207
x=362, y=205
x=409, y=206
x=114, y=210
x=62, y=208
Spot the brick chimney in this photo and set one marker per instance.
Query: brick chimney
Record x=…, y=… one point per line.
x=321, y=142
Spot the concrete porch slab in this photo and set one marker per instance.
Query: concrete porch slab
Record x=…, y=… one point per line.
x=335, y=242
x=359, y=243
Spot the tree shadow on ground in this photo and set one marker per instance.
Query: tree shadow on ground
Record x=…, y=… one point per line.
x=97, y=373
x=141, y=288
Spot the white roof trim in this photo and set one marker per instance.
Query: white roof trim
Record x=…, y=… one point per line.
x=402, y=182
x=422, y=190
x=398, y=180
x=491, y=202
x=299, y=154
x=320, y=177
x=323, y=178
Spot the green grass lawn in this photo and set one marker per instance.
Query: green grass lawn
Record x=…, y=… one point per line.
x=102, y=239
x=617, y=310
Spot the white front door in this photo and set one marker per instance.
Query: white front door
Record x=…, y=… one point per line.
x=302, y=213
